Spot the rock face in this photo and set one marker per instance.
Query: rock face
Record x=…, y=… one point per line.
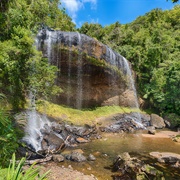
x=91, y=74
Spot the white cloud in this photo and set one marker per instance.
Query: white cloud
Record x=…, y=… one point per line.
x=93, y=3
x=73, y=6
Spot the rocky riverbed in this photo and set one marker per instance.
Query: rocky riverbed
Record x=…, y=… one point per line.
x=70, y=154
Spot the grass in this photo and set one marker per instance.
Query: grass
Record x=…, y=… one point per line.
x=79, y=117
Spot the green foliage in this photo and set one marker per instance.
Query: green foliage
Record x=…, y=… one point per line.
x=21, y=65
x=42, y=79
x=8, y=138
x=151, y=44
x=16, y=172
x=173, y=119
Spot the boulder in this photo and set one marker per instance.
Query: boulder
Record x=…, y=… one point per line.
x=58, y=158
x=91, y=157
x=151, y=130
x=133, y=168
x=78, y=157
x=53, y=142
x=167, y=157
x=157, y=121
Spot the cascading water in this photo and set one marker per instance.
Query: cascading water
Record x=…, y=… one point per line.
x=79, y=76
x=131, y=85
x=122, y=63
x=36, y=123
x=69, y=72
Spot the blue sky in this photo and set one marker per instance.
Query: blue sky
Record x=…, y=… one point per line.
x=106, y=12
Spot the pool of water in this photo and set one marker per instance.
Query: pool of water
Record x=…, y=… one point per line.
x=106, y=149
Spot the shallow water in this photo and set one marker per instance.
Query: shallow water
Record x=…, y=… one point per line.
x=106, y=149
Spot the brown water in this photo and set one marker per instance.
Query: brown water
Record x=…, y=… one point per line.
x=106, y=149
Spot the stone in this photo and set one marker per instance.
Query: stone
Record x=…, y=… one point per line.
x=53, y=141
x=133, y=168
x=81, y=140
x=151, y=130
x=157, y=121
x=91, y=157
x=58, y=158
x=167, y=157
x=78, y=157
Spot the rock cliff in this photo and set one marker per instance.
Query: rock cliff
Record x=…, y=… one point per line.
x=90, y=73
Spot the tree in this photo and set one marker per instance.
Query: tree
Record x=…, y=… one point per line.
x=21, y=19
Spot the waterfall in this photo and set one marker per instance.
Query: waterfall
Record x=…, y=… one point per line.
x=121, y=63
x=69, y=72
x=131, y=85
x=75, y=69
x=35, y=122
x=79, y=76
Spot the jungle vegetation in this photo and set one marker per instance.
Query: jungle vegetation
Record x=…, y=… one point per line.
x=152, y=44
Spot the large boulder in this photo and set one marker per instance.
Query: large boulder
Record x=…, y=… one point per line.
x=133, y=168
x=157, y=121
x=167, y=157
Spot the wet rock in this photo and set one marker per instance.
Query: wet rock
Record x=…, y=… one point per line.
x=157, y=121
x=81, y=140
x=58, y=158
x=75, y=155
x=151, y=130
x=91, y=157
x=176, y=138
x=124, y=123
x=53, y=142
x=51, y=137
x=166, y=157
x=78, y=157
x=145, y=118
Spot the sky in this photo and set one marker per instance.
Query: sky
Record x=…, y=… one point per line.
x=106, y=12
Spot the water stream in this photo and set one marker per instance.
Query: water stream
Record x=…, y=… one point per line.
x=106, y=149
